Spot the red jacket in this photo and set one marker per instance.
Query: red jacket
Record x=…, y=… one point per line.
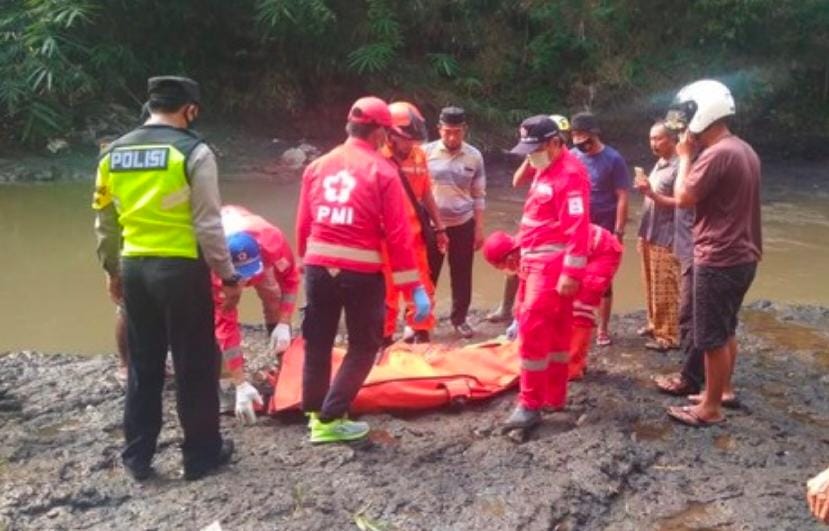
x=557, y=214
x=278, y=283
x=352, y=200
x=603, y=245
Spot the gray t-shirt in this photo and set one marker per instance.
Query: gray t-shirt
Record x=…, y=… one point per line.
x=657, y=224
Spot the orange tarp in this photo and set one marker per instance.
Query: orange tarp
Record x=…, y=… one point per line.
x=411, y=377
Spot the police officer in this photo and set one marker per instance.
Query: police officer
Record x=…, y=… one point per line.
x=159, y=232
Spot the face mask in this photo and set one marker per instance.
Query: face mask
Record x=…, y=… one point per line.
x=585, y=146
x=192, y=123
x=539, y=159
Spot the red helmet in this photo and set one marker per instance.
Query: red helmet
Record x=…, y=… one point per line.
x=498, y=245
x=407, y=121
x=370, y=110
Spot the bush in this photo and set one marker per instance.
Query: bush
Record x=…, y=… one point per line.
x=63, y=59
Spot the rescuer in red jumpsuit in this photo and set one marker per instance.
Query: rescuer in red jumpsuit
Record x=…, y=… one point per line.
x=554, y=241
x=351, y=204
x=603, y=259
x=263, y=257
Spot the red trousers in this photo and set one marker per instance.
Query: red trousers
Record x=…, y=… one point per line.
x=597, y=279
x=544, y=328
x=229, y=339
x=393, y=294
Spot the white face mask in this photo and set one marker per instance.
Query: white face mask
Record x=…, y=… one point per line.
x=539, y=159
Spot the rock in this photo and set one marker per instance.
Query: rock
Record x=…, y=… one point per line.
x=310, y=151
x=56, y=145
x=293, y=157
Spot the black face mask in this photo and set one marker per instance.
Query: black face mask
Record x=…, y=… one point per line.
x=585, y=146
x=192, y=123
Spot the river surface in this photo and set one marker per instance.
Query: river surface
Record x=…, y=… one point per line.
x=53, y=296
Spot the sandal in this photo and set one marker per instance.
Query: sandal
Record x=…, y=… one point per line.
x=675, y=384
x=645, y=332
x=603, y=340
x=731, y=403
x=686, y=415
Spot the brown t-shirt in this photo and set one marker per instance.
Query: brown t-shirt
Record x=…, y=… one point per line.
x=725, y=179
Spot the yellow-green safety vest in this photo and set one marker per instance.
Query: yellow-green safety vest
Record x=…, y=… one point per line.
x=144, y=175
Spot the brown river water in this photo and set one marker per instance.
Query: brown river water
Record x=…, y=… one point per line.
x=53, y=298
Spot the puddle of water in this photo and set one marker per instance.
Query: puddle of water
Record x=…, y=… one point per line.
x=652, y=431
x=493, y=507
x=725, y=443
x=692, y=518
x=776, y=397
x=790, y=336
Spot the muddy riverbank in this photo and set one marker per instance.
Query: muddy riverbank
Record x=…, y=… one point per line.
x=611, y=461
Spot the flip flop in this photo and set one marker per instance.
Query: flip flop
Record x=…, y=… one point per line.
x=730, y=403
x=675, y=385
x=644, y=332
x=603, y=340
x=685, y=415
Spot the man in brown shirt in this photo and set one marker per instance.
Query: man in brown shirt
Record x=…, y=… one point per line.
x=723, y=184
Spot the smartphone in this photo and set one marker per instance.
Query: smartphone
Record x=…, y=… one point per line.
x=639, y=174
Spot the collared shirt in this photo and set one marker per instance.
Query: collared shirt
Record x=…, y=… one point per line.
x=458, y=181
x=657, y=225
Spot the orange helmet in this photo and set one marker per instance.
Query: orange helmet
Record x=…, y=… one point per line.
x=407, y=121
x=497, y=246
x=370, y=110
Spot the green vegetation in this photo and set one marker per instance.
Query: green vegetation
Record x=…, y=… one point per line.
x=62, y=61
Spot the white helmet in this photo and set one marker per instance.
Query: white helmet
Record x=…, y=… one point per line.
x=698, y=105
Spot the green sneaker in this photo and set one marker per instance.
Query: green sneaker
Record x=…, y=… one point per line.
x=313, y=417
x=338, y=430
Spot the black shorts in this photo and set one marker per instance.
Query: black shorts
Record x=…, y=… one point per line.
x=718, y=295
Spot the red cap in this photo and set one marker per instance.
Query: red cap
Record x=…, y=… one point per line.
x=370, y=110
x=498, y=245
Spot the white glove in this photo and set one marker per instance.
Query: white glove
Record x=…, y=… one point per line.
x=280, y=338
x=246, y=396
x=512, y=330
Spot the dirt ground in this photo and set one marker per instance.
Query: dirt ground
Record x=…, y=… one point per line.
x=612, y=460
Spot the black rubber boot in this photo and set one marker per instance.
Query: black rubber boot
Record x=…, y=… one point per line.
x=522, y=418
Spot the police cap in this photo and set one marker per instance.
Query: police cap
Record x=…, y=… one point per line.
x=173, y=89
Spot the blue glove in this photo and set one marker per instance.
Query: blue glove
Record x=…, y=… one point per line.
x=422, y=304
x=512, y=330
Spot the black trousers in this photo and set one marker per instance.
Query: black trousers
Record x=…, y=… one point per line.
x=169, y=305
x=461, y=254
x=363, y=297
x=694, y=369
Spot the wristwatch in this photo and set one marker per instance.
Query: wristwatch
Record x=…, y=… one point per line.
x=233, y=281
